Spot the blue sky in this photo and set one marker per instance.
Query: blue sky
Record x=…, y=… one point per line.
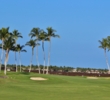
x=80, y=24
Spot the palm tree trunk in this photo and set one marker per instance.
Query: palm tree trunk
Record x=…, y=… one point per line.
x=44, y=56
x=37, y=60
x=5, y=68
x=31, y=60
x=6, y=60
x=20, y=61
x=107, y=60
x=48, y=58
x=16, y=58
x=16, y=62
x=1, y=57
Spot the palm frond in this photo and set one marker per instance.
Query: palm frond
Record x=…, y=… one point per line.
x=51, y=33
x=31, y=43
x=43, y=36
x=4, y=33
x=104, y=43
x=15, y=34
x=35, y=32
x=24, y=50
x=8, y=43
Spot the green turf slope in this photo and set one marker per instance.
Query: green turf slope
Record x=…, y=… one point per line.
x=18, y=86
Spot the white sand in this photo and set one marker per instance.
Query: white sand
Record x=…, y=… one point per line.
x=38, y=78
x=107, y=78
x=92, y=77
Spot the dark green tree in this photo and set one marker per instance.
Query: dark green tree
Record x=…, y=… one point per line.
x=105, y=45
x=4, y=34
x=43, y=37
x=35, y=33
x=50, y=34
x=8, y=45
x=19, y=49
x=32, y=44
x=15, y=35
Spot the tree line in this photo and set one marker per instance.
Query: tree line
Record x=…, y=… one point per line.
x=9, y=43
x=54, y=68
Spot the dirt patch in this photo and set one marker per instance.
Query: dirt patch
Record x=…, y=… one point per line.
x=92, y=77
x=3, y=77
x=38, y=78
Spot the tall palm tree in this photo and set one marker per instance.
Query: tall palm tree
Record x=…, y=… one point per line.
x=4, y=34
x=43, y=37
x=50, y=33
x=20, y=49
x=104, y=45
x=35, y=33
x=15, y=34
x=8, y=45
x=32, y=43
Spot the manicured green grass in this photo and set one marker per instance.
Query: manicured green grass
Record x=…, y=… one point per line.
x=18, y=86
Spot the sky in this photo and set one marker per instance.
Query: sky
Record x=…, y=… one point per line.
x=80, y=24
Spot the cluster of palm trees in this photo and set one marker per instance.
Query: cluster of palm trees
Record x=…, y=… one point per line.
x=9, y=43
x=41, y=35
x=105, y=45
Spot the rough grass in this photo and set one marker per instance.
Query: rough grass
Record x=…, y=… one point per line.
x=18, y=86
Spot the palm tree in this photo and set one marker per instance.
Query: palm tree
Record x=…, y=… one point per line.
x=8, y=45
x=50, y=33
x=15, y=35
x=104, y=45
x=4, y=34
x=32, y=43
x=43, y=37
x=35, y=33
x=20, y=49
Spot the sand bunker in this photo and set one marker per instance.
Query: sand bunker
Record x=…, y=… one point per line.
x=38, y=78
x=92, y=77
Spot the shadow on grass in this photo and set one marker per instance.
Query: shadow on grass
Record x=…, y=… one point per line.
x=25, y=73
x=17, y=73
